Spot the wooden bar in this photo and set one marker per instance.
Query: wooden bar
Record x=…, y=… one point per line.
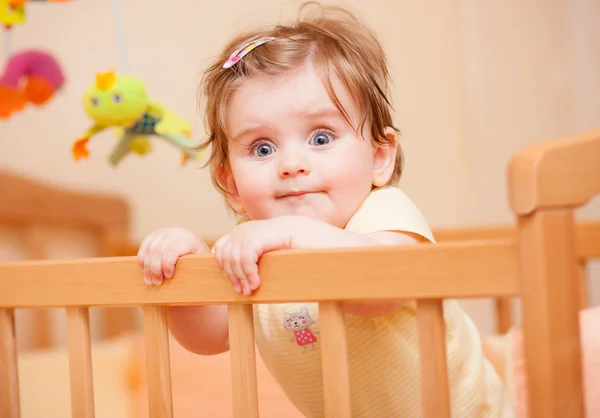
x=80, y=362
x=434, y=372
x=158, y=362
x=334, y=354
x=36, y=250
x=117, y=321
x=557, y=173
x=325, y=274
x=243, y=361
x=9, y=374
x=582, y=283
x=587, y=236
x=504, y=315
x=550, y=302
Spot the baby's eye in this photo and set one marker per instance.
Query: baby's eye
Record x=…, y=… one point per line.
x=320, y=139
x=263, y=150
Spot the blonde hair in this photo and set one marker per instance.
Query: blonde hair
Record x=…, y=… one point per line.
x=331, y=40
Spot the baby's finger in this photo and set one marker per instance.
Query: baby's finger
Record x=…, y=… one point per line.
x=249, y=264
x=149, y=245
x=156, y=272
x=169, y=260
x=226, y=265
x=234, y=260
x=142, y=250
x=217, y=250
x=236, y=268
x=175, y=247
x=150, y=249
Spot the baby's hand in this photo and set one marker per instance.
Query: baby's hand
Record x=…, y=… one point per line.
x=238, y=252
x=160, y=250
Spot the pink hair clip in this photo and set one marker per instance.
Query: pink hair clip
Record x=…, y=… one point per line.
x=241, y=52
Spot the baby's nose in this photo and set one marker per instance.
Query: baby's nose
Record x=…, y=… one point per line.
x=294, y=167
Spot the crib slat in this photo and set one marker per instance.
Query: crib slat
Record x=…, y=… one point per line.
x=434, y=373
x=80, y=362
x=334, y=353
x=243, y=361
x=35, y=240
x=504, y=316
x=158, y=362
x=9, y=374
x=581, y=282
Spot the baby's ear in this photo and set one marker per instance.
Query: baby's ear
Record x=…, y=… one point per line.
x=384, y=158
x=227, y=182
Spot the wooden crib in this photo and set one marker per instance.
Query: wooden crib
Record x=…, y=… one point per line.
x=38, y=209
x=547, y=182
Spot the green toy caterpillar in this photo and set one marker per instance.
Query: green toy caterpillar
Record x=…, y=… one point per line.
x=122, y=103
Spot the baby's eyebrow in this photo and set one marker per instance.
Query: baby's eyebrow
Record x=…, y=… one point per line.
x=247, y=131
x=323, y=113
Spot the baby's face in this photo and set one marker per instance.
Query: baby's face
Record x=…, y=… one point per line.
x=293, y=153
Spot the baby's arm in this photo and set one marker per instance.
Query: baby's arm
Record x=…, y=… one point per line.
x=322, y=235
x=199, y=329
x=238, y=252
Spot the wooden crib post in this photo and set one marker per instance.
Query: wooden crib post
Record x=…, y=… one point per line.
x=550, y=311
x=158, y=362
x=9, y=375
x=547, y=182
x=582, y=284
x=117, y=320
x=80, y=362
x=432, y=346
x=504, y=315
x=334, y=354
x=35, y=241
x=243, y=361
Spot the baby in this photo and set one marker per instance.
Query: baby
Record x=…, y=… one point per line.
x=304, y=149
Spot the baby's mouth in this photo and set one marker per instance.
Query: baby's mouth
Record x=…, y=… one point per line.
x=296, y=193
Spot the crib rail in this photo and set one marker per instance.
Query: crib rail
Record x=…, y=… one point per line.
x=587, y=246
x=448, y=270
x=324, y=273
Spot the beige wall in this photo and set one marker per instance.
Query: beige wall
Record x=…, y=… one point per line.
x=474, y=82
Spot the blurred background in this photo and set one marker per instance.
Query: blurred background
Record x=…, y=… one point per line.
x=474, y=82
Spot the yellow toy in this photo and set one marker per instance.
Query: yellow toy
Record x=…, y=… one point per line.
x=122, y=103
x=12, y=12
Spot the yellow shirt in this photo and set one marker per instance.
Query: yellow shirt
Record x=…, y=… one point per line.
x=383, y=352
